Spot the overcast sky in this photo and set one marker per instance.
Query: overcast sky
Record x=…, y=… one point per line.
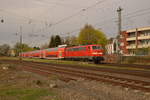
x=40, y=19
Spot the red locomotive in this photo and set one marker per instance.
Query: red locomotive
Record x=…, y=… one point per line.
x=86, y=52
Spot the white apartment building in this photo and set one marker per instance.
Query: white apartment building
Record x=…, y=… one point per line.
x=136, y=39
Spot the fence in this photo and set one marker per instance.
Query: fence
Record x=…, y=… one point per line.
x=136, y=59
x=127, y=59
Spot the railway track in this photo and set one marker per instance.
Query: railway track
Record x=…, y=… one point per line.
x=71, y=74
x=127, y=65
x=141, y=73
x=109, y=70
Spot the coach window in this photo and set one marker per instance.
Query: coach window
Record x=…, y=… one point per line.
x=69, y=49
x=55, y=49
x=96, y=47
x=72, y=49
x=88, y=47
x=75, y=49
x=84, y=48
x=81, y=48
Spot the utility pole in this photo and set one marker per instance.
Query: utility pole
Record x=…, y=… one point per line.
x=20, y=57
x=119, y=10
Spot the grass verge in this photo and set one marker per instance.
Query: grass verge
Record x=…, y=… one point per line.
x=77, y=63
x=25, y=94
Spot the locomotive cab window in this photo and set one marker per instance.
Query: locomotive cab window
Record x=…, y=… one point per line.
x=96, y=47
x=88, y=47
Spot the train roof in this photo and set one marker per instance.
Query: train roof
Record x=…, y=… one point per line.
x=62, y=46
x=84, y=45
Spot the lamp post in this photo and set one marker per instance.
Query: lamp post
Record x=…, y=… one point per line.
x=20, y=43
x=20, y=57
x=2, y=20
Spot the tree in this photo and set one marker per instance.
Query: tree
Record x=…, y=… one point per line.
x=4, y=50
x=44, y=46
x=21, y=48
x=58, y=40
x=52, y=42
x=90, y=35
x=71, y=41
x=55, y=41
x=36, y=48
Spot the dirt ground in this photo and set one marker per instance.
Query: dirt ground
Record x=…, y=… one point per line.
x=16, y=84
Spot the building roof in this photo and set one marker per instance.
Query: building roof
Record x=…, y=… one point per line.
x=139, y=29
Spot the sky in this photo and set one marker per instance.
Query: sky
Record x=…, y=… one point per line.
x=40, y=19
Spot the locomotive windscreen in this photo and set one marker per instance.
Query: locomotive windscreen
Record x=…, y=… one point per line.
x=97, y=47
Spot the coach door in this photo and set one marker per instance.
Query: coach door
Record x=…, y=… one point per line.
x=43, y=54
x=60, y=54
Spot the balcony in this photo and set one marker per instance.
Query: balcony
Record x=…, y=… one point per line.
x=131, y=39
x=139, y=38
x=144, y=45
x=131, y=47
x=144, y=37
x=139, y=46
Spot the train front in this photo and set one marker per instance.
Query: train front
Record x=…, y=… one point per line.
x=97, y=53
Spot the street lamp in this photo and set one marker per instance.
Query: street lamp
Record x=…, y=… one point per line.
x=20, y=43
x=2, y=20
x=20, y=56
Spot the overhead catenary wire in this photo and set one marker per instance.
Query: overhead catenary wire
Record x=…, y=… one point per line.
x=128, y=15
x=137, y=13
x=57, y=4
x=103, y=22
x=69, y=17
x=74, y=15
x=20, y=16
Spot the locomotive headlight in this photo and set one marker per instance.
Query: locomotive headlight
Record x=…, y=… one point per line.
x=95, y=53
x=100, y=53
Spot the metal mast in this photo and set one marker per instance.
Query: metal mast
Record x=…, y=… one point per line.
x=119, y=10
x=20, y=57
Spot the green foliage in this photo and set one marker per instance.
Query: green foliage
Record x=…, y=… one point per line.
x=25, y=94
x=71, y=41
x=52, y=42
x=55, y=41
x=36, y=48
x=44, y=46
x=90, y=35
x=4, y=50
x=21, y=48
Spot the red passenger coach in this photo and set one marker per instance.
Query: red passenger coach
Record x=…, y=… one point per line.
x=87, y=52
x=51, y=53
x=54, y=53
x=43, y=53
